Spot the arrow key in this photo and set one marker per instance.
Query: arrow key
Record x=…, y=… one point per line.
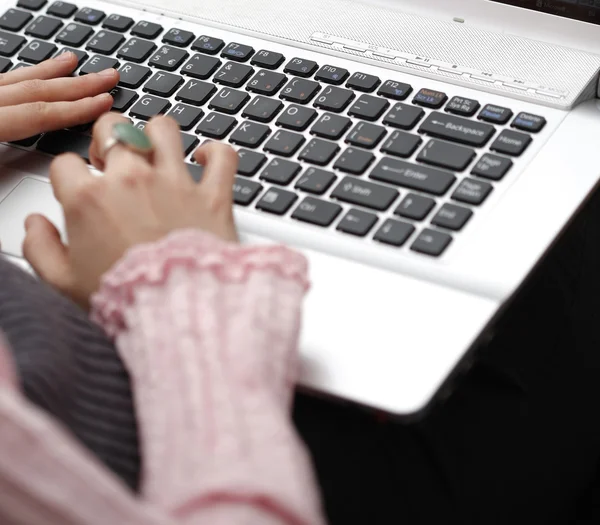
x=395, y=233
x=415, y=207
x=357, y=222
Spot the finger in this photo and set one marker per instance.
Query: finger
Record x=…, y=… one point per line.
x=101, y=133
x=45, y=252
x=26, y=120
x=60, y=66
x=59, y=89
x=165, y=136
x=220, y=165
x=68, y=173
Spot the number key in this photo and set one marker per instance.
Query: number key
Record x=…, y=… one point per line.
x=201, y=66
x=105, y=42
x=169, y=58
x=43, y=27
x=15, y=19
x=234, y=75
x=334, y=99
x=266, y=82
x=136, y=50
x=300, y=90
x=74, y=35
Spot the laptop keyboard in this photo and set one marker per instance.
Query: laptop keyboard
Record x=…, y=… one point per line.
x=365, y=156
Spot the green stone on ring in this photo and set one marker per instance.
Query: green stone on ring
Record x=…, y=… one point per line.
x=132, y=137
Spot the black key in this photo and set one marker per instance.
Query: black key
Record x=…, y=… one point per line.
x=446, y=155
x=105, y=42
x=266, y=82
x=208, y=45
x=431, y=242
x=163, y=84
x=188, y=142
x=149, y=106
x=495, y=114
x=133, y=75
x=394, y=233
x=20, y=65
x=452, y=217
x=5, y=64
x=237, y=52
x=296, y=117
x=87, y=15
x=178, y=37
x=276, y=201
x=363, y=193
x=317, y=211
x=118, y=23
x=148, y=30
x=457, y=129
x=401, y=144
x=395, y=90
x=331, y=126
x=301, y=67
x=284, y=143
x=280, y=171
x=37, y=51
x=413, y=176
x=472, y=191
x=263, y=109
x=43, y=27
x=250, y=134
x=529, y=122
x=250, y=162
x=430, y=98
x=492, y=167
x=196, y=171
x=33, y=5
x=403, y=116
x=334, y=99
x=63, y=141
x=98, y=63
x=368, y=107
x=511, y=143
x=74, y=34
x=415, y=207
x=28, y=142
x=201, y=66
x=195, y=92
x=186, y=116
x=315, y=180
x=82, y=56
x=15, y=19
x=10, y=44
x=216, y=126
x=62, y=9
x=233, y=75
x=363, y=82
x=357, y=222
x=354, y=161
x=169, y=58
x=229, y=101
x=245, y=191
x=136, y=50
x=366, y=135
x=300, y=90
x=467, y=107
x=267, y=59
x=332, y=75
x=123, y=99
x=319, y=152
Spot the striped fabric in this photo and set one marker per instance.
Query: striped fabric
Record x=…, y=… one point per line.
x=69, y=368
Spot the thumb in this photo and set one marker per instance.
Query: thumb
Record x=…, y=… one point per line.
x=45, y=252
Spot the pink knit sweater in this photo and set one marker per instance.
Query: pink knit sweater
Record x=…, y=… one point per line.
x=208, y=331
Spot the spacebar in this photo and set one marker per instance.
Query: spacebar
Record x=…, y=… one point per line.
x=64, y=141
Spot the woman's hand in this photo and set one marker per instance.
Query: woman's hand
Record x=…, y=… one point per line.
x=136, y=201
x=43, y=98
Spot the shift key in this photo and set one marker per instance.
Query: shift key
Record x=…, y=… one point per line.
x=457, y=129
x=362, y=193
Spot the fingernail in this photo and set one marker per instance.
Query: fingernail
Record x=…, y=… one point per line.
x=104, y=97
x=64, y=57
x=107, y=72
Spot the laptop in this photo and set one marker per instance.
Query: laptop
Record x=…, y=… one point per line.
x=423, y=155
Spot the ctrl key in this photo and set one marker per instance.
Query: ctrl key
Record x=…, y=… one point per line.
x=431, y=242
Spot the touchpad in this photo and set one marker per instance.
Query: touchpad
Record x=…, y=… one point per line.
x=29, y=196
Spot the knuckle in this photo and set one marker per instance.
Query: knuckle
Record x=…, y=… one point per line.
x=86, y=194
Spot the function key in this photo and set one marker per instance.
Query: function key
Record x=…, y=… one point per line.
x=430, y=98
x=300, y=67
x=467, y=107
x=43, y=27
x=10, y=44
x=431, y=242
x=33, y=5
x=495, y=114
x=267, y=59
x=15, y=19
x=363, y=82
x=87, y=15
x=146, y=29
x=178, y=37
x=395, y=90
x=529, y=122
x=511, y=143
x=332, y=75
x=118, y=23
x=394, y=233
x=492, y=167
x=208, y=45
x=452, y=217
x=237, y=52
x=62, y=9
